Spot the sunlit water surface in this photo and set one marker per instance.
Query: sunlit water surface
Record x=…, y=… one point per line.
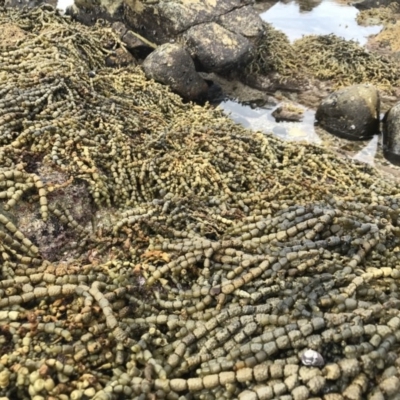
x=325, y=18
x=304, y=18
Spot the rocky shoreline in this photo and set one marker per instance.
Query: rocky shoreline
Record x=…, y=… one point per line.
x=150, y=248
x=190, y=41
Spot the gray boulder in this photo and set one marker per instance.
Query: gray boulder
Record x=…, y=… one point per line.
x=351, y=113
x=164, y=20
x=244, y=21
x=391, y=135
x=216, y=48
x=172, y=65
x=220, y=33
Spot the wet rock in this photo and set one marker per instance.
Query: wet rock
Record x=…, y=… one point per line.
x=120, y=28
x=172, y=65
x=132, y=40
x=28, y=3
x=111, y=8
x=165, y=20
x=351, y=113
x=237, y=90
x=120, y=58
x=244, y=21
x=367, y=4
x=158, y=22
x=308, y=5
x=229, y=51
x=391, y=135
x=288, y=112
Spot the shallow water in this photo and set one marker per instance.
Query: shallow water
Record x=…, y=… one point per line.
x=260, y=119
x=301, y=18
x=297, y=19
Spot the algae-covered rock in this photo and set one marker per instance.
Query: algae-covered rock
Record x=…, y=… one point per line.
x=172, y=65
x=391, y=134
x=230, y=51
x=288, y=112
x=120, y=58
x=351, y=113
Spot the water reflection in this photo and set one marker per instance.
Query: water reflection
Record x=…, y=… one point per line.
x=311, y=17
x=261, y=119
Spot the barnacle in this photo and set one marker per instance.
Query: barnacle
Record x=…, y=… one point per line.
x=215, y=256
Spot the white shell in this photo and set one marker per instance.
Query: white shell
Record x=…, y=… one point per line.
x=312, y=358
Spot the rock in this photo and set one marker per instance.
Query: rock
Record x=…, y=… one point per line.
x=217, y=48
x=244, y=21
x=164, y=20
x=351, y=113
x=367, y=4
x=220, y=33
x=229, y=51
x=109, y=8
x=288, y=112
x=27, y=3
x=120, y=58
x=120, y=28
x=132, y=40
x=391, y=135
x=172, y=65
x=308, y=5
x=237, y=90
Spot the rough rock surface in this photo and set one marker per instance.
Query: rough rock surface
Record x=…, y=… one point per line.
x=219, y=33
x=172, y=65
x=391, y=135
x=245, y=21
x=164, y=20
x=288, y=112
x=229, y=52
x=131, y=40
x=216, y=46
x=120, y=58
x=366, y=4
x=351, y=113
